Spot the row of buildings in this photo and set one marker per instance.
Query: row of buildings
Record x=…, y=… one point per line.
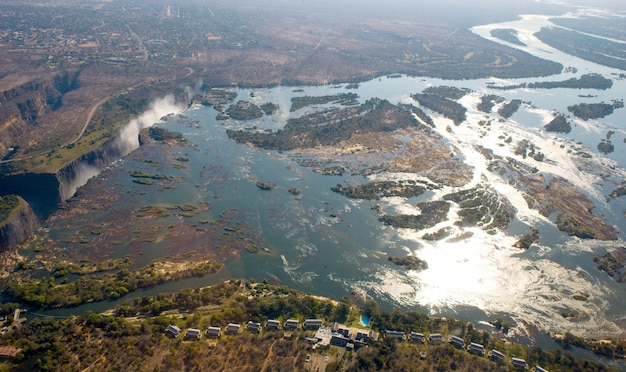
x=459, y=343
x=234, y=328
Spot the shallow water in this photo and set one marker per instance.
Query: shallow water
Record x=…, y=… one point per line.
x=326, y=244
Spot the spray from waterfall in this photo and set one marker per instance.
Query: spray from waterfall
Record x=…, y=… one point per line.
x=128, y=139
x=123, y=144
x=197, y=89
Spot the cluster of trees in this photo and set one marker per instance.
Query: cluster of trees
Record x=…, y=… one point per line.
x=410, y=262
x=381, y=189
x=488, y=101
x=114, y=342
x=330, y=127
x=449, y=92
x=443, y=105
x=559, y=125
x=507, y=34
x=587, y=81
x=527, y=240
x=8, y=203
x=588, y=111
x=344, y=99
x=420, y=114
x=46, y=293
x=610, y=348
x=244, y=110
x=432, y=213
x=508, y=109
x=590, y=48
x=270, y=108
x=162, y=134
x=613, y=263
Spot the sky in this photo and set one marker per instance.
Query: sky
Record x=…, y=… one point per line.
x=462, y=13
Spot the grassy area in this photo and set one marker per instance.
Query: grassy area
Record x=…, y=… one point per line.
x=8, y=205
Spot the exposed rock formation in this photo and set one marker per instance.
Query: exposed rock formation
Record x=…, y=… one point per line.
x=22, y=105
x=18, y=224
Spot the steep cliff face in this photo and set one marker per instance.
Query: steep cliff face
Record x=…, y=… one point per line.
x=41, y=191
x=78, y=172
x=18, y=223
x=45, y=191
x=21, y=106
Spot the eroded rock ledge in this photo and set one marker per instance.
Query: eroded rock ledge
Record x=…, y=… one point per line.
x=17, y=221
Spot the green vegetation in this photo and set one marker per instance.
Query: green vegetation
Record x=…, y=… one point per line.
x=588, y=111
x=559, y=125
x=218, y=97
x=488, y=101
x=264, y=186
x=269, y=108
x=344, y=99
x=599, y=50
x=618, y=192
x=144, y=181
x=449, y=92
x=507, y=34
x=442, y=104
x=149, y=178
x=420, y=114
x=60, y=269
x=508, y=109
x=614, y=349
x=244, y=110
x=139, y=174
x=605, y=146
x=8, y=204
x=525, y=148
x=133, y=337
x=587, y=81
x=46, y=293
x=152, y=211
x=432, y=213
x=222, y=116
x=613, y=263
x=330, y=127
x=337, y=170
x=410, y=262
x=294, y=191
x=381, y=189
x=162, y=134
x=527, y=240
x=439, y=234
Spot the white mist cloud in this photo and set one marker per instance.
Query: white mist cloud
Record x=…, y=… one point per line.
x=129, y=136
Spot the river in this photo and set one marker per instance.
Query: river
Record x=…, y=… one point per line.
x=323, y=243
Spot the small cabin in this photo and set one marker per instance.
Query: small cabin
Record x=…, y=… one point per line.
x=395, y=334
x=476, y=349
x=193, y=334
x=418, y=337
x=253, y=327
x=496, y=355
x=291, y=324
x=272, y=325
x=538, y=369
x=312, y=323
x=436, y=338
x=172, y=331
x=519, y=363
x=232, y=329
x=457, y=342
x=213, y=332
